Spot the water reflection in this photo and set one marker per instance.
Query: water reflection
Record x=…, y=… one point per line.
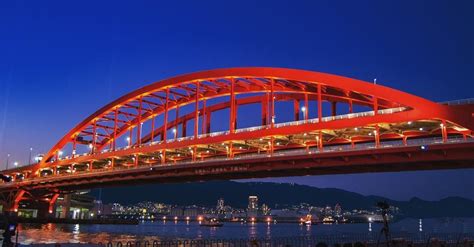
x=163, y=230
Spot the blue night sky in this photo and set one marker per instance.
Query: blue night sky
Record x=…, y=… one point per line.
x=62, y=60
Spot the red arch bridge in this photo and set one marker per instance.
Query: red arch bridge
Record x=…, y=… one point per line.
x=188, y=128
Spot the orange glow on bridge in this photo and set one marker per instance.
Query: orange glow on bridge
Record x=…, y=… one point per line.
x=163, y=132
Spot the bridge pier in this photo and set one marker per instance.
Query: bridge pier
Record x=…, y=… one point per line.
x=11, y=201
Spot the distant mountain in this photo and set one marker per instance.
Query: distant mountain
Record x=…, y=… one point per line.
x=277, y=195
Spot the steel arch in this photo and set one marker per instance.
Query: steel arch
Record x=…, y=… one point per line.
x=196, y=87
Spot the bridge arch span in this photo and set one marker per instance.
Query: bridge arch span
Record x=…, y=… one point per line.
x=239, y=86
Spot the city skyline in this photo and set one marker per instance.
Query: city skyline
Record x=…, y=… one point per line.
x=80, y=79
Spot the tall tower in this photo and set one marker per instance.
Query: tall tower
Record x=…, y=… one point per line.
x=253, y=203
x=220, y=206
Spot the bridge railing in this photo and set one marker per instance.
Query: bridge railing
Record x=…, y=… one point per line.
x=342, y=239
x=291, y=152
x=469, y=101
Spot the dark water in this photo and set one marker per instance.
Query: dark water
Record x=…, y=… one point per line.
x=52, y=233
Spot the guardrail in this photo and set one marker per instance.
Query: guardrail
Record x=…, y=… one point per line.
x=459, y=102
x=346, y=240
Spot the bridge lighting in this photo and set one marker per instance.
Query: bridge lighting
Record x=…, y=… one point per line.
x=305, y=134
x=90, y=146
x=60, y=153
x=303, y=109
x=370, y=133
x=423, y=147
x=174, y=130
x=356, y=129
x=441, y=125
x=409, y=122
x=421, y=129
x=15, y=163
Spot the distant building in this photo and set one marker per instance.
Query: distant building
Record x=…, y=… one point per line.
x=252, y=209
x=253, y=203
x=178, y=212
x=192, y=212
x=337, y=210
x=220, y=206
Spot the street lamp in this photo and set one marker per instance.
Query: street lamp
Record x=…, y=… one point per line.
x=174, y=133
x=15, y=164
x=8, y=160
x=29, y=159
x=128, y=140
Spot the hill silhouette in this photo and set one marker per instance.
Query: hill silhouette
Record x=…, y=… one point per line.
x=277, y=195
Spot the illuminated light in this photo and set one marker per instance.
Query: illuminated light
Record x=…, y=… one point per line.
x=187, y=217
x=240, y=147
x=128, y=138
x=356, y=129
x=164, y=217
x=207, y=151
x=174, y=130
x=252, y=219
x=90, y=146
x=261, y=139
x=409, y=123
x=50, y=211
x=421, y=129
x=370, y=134
x=423, y=147
x=269, y=219
x=60, y=153
x=305, y=134
x=370, y=219
x=278, y=143
x=15, y=164
x=176, y=218
x=303, y=109
x=441, y=125
x=179, y=155
x=199, y=218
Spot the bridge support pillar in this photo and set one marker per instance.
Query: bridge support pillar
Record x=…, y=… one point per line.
x=377, y=136
x=11, y=201
x=333, y=108
x=52, y=201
